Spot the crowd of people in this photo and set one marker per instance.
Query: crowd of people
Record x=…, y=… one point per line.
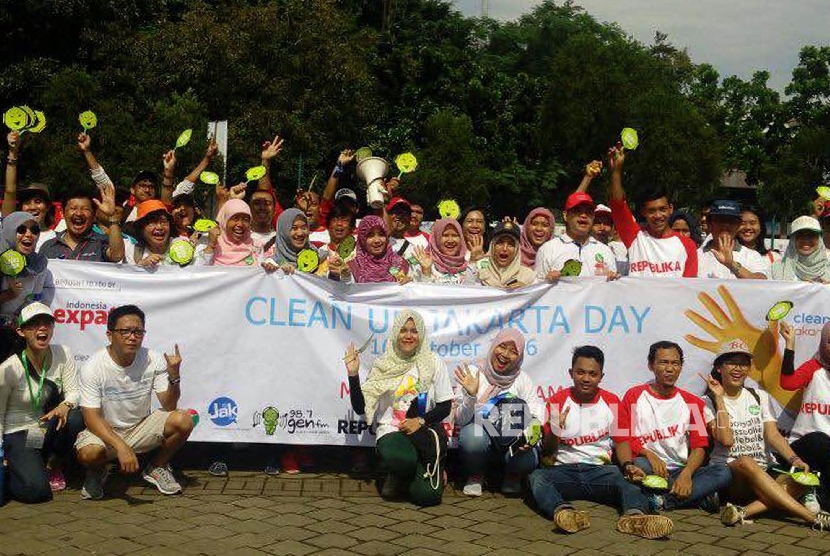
x=655, y=448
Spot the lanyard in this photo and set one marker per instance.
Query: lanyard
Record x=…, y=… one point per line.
x=34, y=400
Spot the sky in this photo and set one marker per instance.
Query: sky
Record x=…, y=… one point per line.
x=737, y=37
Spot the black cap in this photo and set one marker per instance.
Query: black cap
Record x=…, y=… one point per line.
x=507, y=228
x=146, y=175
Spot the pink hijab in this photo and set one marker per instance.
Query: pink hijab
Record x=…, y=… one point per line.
x=527, y=248
x=365, y=267
x=501, y=382
x=445, y=262
x=227, y=251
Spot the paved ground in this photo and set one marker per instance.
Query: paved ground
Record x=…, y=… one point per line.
x=249, y=513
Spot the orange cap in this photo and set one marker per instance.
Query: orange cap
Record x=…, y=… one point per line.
x=151, y=205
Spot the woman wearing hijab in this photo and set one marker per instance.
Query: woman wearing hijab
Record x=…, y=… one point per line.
x=810, y=435
x=405, y=396
x=292, y=239
x=230, y=243
x=19, y=233
x=537, y=229
x=39, y=414
x=503, y=268
x=745, y=437
x=483, y=383
x=374, y=260
x=805, y=258
x=444, y=261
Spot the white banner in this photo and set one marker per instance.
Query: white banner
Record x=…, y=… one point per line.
x=263, y=354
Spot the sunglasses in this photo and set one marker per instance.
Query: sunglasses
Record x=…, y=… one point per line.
x=23, y=228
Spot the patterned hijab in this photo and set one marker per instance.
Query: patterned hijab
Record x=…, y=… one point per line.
x=809, y=268
x=367, y=268
x=389, y=369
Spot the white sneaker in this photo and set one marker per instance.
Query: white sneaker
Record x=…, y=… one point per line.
x=810, y=501
x=162, y=478
x=473, y=486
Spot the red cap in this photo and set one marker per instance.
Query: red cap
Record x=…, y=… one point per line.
x=825, y=211
x=397, y=201
x=578, y=198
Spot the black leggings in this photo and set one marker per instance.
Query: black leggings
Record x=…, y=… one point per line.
x=814, y=449
x=27, y=480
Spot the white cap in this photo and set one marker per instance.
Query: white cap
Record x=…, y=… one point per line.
x=345, y=192
x=735, y=345
x=602, y=208
x=33, y=310
x=805, y=223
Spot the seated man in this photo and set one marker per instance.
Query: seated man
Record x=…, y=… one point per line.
x=577, y=455
x=116, y=389
x=668, y=434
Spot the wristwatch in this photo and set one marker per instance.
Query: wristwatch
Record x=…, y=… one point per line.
x=421, y=421
x=70, y=405
x=174, y=381
x=736, y=267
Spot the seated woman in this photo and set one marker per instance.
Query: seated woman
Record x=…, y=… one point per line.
x=19, y=232
x=744, y=430
x=405, y=396
x=444, y=261
x=805, y=258
x=503, y=268
x=39, y=414
x=230, y=243
x=810, y=435
x=537, y=229
x=374, y=260
x=502, y=374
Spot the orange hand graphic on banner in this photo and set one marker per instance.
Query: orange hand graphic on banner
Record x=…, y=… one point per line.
x=766, y=360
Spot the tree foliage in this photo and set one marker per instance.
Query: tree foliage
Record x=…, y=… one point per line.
x=500, y=114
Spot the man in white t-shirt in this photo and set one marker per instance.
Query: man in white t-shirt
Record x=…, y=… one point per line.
x=655, y=250
x=576, y=244
x=668, y=435
x=117, y=385
x=583, y=428
x=721, y=256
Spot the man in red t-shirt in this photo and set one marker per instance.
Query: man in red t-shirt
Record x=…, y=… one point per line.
x=655, y=250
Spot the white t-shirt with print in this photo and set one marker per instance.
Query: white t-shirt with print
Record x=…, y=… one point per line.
x=597, y=258
x=746, y=417
x=392, y=406
x=263, y=237
x=123, y=394
x=709, y=267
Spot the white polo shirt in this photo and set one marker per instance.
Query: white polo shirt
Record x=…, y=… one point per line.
x=709, y=267
x=597, y=258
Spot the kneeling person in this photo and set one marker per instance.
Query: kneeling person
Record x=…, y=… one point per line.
x=116, y=390
x=577, y=452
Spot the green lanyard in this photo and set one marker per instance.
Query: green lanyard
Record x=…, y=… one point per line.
x=34, y=400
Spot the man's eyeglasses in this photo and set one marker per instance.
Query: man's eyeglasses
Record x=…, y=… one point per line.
x=23, y=228
x=127, y=332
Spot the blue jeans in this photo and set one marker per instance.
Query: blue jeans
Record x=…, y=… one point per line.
x=478, y=451
x=705, y=481
x=555, y=486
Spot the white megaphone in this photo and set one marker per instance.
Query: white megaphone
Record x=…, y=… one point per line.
x=372, y=170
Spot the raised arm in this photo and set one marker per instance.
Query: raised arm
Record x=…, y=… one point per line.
x=592, y=170
x=270, y=150
x=10, y=195
x=170, y=398
x=115, y=250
